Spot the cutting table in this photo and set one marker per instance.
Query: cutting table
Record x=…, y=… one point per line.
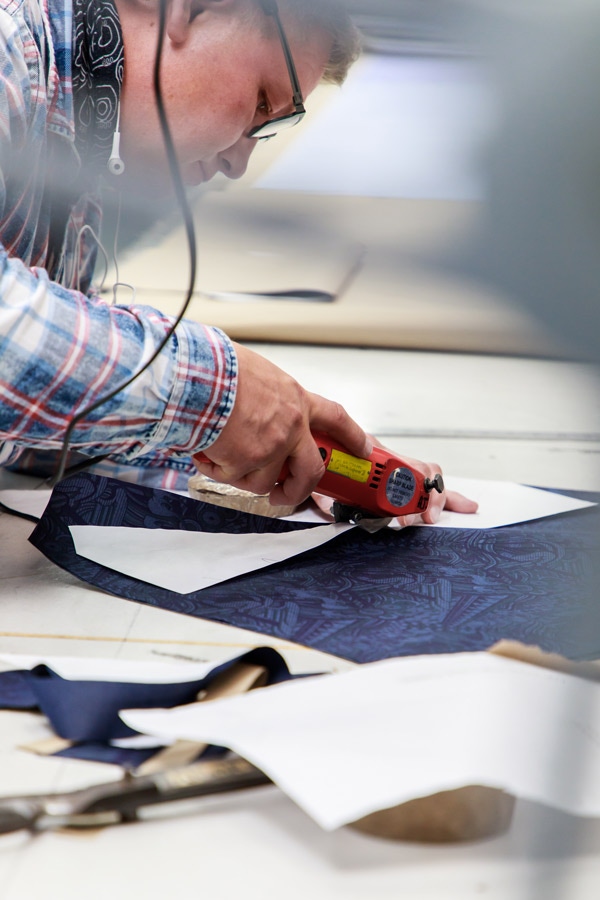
x=495, y=417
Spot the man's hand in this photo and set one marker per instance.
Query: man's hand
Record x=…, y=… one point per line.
x=270, y=426
x=450, y=500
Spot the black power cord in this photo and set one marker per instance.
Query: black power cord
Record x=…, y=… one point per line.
x=180, y=193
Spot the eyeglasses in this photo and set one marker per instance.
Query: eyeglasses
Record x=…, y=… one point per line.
x=274, y=126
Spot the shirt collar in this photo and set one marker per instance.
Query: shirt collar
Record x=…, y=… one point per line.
x=97, y=73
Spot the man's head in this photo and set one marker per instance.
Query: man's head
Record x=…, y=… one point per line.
x=227, y=77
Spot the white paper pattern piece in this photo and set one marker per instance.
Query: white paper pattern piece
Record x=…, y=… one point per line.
x=186, y=561
x=504, y=503
x=343, y=746
x=500, y=503
x=27, y=501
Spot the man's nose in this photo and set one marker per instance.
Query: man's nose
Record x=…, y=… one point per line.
x=233, y=162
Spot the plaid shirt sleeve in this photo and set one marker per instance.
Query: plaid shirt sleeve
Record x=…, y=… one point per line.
x=61, y=351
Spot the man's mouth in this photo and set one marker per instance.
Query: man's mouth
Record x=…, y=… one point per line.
x=195, y=173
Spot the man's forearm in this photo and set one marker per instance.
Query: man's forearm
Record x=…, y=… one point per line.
x=62, y=351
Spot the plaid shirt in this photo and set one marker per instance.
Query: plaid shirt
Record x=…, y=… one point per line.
x=62, y=348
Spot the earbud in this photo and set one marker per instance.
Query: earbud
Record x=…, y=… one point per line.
x=116, y=166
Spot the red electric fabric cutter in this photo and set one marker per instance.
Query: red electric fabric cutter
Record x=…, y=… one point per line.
x=382, y=486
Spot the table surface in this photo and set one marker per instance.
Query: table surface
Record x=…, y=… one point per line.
x=532, y=421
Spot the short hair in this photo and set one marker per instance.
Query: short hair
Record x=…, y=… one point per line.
x=332, y=17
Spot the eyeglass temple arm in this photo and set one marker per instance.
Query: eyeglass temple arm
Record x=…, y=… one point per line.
x=270, y=8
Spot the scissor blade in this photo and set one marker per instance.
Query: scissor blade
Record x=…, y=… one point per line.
x=112, y=802
x=18, y=814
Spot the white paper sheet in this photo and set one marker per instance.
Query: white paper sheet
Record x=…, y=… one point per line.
x=345, y=745
x=186, y=561
x=500, y=503
x=504, y=503
x=31, y=502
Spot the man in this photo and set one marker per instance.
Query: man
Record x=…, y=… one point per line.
x=223, y=78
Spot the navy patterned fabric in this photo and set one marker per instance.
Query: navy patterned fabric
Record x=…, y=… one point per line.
x=364, y=597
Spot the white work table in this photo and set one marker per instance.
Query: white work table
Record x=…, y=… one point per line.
x=505, y=417
x=533, y=421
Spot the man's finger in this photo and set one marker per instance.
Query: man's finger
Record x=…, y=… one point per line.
x=456, y=502
x=332, y=418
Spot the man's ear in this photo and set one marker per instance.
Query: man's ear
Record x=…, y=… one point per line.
x=181, y=14
x=179, y=18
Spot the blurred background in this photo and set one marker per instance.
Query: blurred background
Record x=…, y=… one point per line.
x=424, y=248
x=404, y=168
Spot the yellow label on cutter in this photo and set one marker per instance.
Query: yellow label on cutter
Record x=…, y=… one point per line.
x=350, y=466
